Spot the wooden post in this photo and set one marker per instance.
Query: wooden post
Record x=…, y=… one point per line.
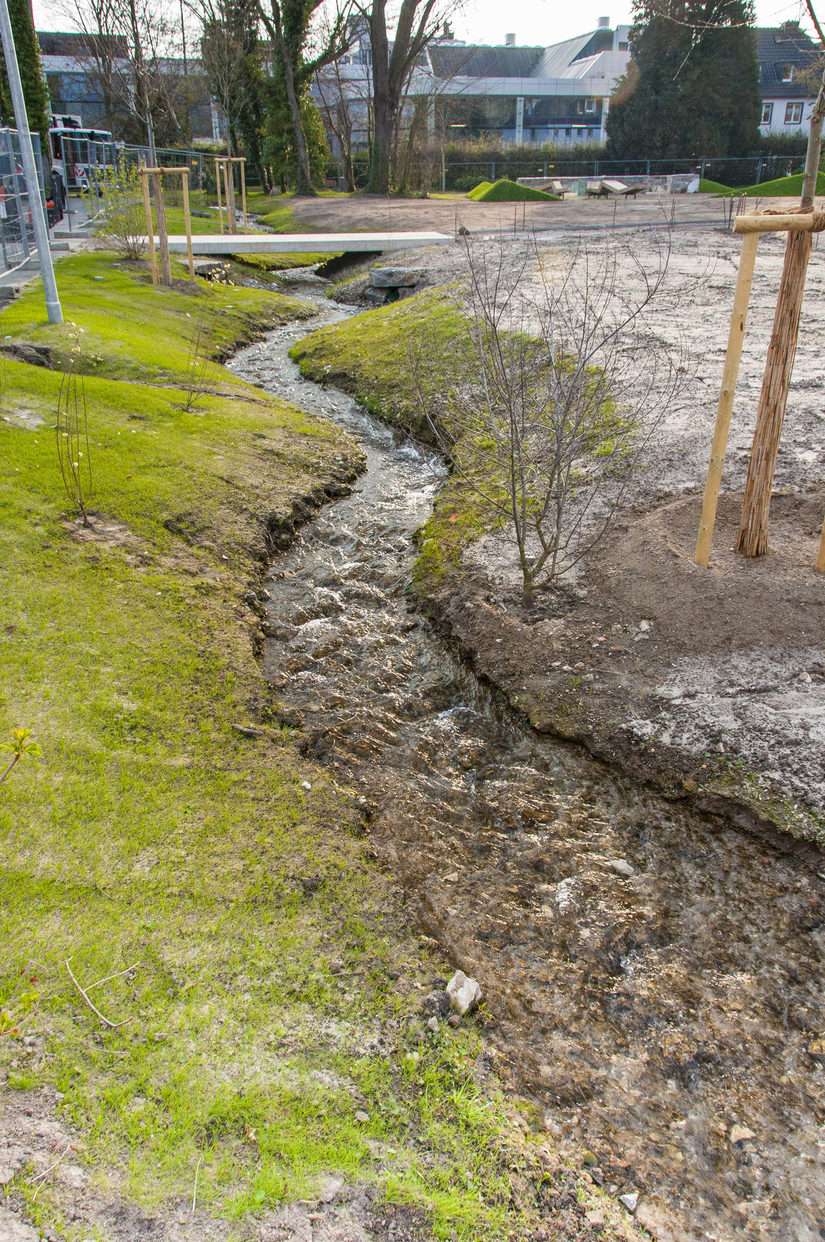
x=218, y=184
x=231, y=222
x=736, y=336
x=187, y=220
x=163, y=236
x=820, y=560
x=242, y=163
x=753, y=531
x=150, y=228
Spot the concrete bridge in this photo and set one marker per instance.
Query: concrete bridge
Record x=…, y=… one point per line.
x=303, y=243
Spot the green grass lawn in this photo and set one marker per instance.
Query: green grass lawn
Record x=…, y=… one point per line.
x=277, y=989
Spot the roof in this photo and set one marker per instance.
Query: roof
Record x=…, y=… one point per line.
x=557, y=59
x=76, y=43
x=456, y=60
x=778, y=46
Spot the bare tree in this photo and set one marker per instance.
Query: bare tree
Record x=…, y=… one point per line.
x=561, y=383
x=394, y=56
x=126, y=49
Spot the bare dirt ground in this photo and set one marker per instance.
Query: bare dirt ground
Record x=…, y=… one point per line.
x=445, y=214
x=708, y=682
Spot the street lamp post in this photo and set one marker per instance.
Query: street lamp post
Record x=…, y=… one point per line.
x=41, y=232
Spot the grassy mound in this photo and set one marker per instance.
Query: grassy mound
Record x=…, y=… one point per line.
x=783, y=187
x=707, y=186
x=504, y=191
x=154, y=834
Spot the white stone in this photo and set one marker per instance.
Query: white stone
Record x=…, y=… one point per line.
x=464, y=993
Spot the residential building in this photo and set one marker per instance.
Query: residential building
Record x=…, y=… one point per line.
x=789, y=65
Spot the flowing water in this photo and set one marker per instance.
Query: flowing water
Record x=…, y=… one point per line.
x=655, y=977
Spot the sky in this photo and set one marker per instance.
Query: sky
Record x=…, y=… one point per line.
x=537, y=22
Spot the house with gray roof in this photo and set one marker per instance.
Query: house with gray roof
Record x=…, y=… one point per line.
x=789, y=65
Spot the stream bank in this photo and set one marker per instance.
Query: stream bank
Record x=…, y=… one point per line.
x=652, y=976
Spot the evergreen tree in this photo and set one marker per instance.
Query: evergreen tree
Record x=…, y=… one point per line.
x=692, y=88
x=31, y=75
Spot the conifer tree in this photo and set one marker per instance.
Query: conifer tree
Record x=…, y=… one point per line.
x=28, y=59
x=693, y=84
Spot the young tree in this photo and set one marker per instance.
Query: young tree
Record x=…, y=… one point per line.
x=31, y=75
x=127, y=44
x=693, y=85
x=546, y=407
x=753, y=531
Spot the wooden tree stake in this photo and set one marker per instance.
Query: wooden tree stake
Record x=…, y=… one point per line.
x=218, y=167
x=187, y=220
x=150, y=227
x=753, y=532
x=163, y=235
x=736, y=336
x=242, y=163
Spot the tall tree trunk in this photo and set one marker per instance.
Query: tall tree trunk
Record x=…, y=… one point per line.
x=382, y=110
x=753, y=530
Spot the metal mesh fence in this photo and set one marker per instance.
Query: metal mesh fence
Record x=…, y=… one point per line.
x=16, y=233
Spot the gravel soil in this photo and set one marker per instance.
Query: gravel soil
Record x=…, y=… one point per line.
x=709, y=683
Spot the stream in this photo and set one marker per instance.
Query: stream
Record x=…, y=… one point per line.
x=654, y=977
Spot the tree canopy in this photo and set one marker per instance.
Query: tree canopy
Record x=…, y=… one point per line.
x=693, y=83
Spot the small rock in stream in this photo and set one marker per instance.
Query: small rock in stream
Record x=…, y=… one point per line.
x=621, y=865
x=464, y=993
x=740, y=1134
x=630, y=1201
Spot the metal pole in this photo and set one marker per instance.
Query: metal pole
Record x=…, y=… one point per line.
x=41, y=233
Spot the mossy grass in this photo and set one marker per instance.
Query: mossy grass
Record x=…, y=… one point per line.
x=267, y=1015
x=706, y=186
x=129, y=328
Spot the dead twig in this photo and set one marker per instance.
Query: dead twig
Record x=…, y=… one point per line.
x=112, y=1025
x=107, y=978
x=41, y=1177
x=195, y=1191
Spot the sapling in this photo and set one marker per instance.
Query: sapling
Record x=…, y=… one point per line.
x=72, y=434
x=545, y=404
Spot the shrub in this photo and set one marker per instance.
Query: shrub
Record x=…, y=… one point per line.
x=122, y=220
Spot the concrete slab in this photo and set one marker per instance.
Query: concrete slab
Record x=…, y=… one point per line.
x=304, y=243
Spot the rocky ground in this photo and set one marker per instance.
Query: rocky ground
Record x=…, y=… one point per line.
x=704, y=681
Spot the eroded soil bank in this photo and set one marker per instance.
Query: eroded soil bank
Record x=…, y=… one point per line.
x=652, y=975
x=706, y=683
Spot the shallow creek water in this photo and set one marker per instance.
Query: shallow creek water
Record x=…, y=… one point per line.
x=655, y=977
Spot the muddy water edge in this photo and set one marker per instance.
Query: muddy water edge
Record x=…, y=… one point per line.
x=653, y=977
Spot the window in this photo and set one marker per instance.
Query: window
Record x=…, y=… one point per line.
x=793, y=113
x=622, y=47
x=579, y=107
x=786, y=73
x=767, y=114
x=590, y=105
